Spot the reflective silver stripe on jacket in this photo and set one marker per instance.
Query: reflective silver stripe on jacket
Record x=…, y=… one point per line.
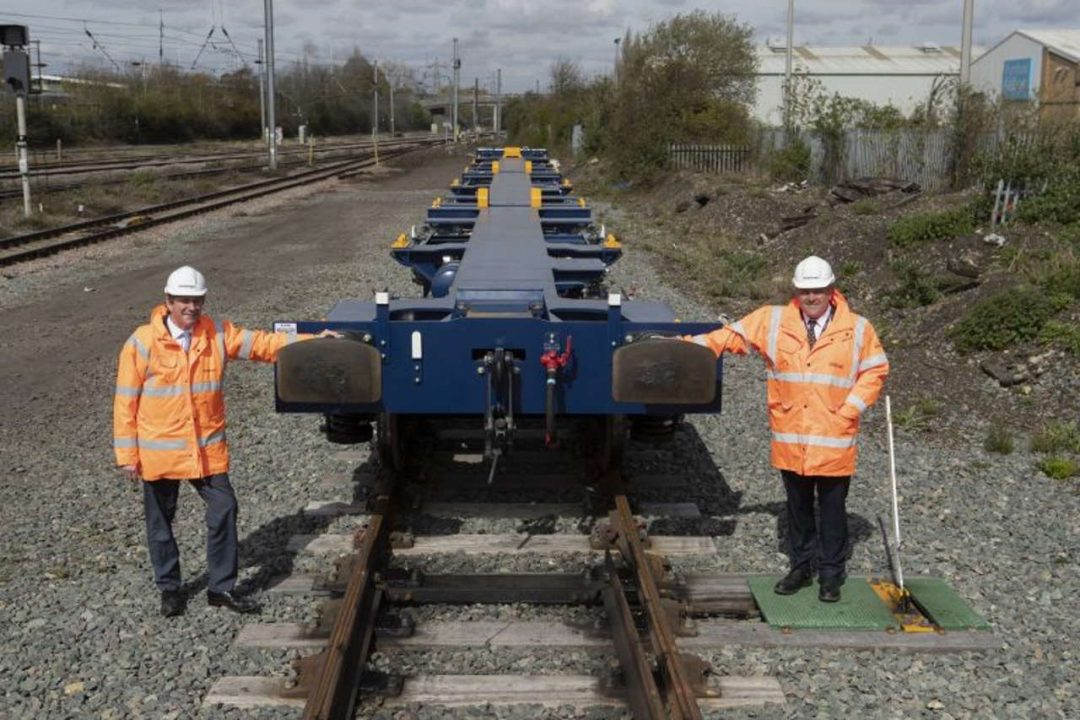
x=857, y=401
x=139, y=347
x=245, y=346
x=220, y=333
x=774, y=335
x=856, y=351
x=124, y=443
x=212, y=439
x=165, y=391
x=700, y=340
x=161, y=444
x=813, y=378
x=128, y=391
x=873, y=361
x=174, y=390
x=815, y=440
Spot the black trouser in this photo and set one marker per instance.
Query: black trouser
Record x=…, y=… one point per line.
x=826, y=542
x=222, y=550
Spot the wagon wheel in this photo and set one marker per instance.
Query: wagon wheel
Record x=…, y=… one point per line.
x=612, y=442
x=388, y=442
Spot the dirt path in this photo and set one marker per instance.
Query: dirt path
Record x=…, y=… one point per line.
x=77, y=312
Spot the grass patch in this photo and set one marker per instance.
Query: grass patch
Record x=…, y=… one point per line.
x=1057, y=437
x=1058, y=203
x=1009, y=317
x=916, y=288
x=713, y=265
x=789, y=164
x=734, y=273
x=1062, y=335
x=1069, y=234
x=1059, y=467
x=930, y=227
x=143, y=179
x=850, y=268
x=999, y=440
x=866, y=206
x=1062, y=275
x=917, y=417
x=36, y=221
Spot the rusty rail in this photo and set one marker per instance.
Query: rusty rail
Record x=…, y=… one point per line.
x=339, y=667
x=678, y=688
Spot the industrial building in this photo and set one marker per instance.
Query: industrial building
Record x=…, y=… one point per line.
x=902, y=76
x=1033, y=65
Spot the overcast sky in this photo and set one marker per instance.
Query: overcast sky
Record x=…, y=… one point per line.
x=522, y=37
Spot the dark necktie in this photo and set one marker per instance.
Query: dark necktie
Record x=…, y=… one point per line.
x=811, y=332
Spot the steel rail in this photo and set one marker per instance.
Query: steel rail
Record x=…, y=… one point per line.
x=643, y=695
x=326, y=156
x=89, y=166
x=337, y=688
x=112, y=219
x=681, y=697
x=204, y=203
x=86, y=154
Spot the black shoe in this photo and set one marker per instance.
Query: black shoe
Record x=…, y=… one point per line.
x=829, y=589
x=232, y=602
x=800, y=577
x=172, y=603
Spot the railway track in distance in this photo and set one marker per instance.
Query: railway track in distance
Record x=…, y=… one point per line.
x=95, y=165
x=293, y=159
x=21, y=248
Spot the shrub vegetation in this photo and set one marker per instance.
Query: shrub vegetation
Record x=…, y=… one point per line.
x=1057, y=437
x=687, y=79
x=1059, y=467
x=998, y=440
x=168, y=105
x=1009, y=317
x=930, y=227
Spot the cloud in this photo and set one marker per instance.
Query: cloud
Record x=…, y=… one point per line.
x=523, y=37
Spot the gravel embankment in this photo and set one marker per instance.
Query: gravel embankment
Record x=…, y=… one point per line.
x=79, y=631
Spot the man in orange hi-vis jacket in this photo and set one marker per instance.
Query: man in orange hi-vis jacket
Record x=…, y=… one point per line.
x=825, y=367
x=169, y=426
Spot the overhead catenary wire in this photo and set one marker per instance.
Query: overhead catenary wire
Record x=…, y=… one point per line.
x=99, y=46
x=158, y=35
x=205, y=43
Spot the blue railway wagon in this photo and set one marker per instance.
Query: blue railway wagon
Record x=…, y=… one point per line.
x=514, y=321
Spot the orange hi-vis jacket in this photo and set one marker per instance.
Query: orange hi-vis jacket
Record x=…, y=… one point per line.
x=815, y=396
x=169, y=410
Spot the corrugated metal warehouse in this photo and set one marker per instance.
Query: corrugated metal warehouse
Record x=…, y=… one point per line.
x=900, y=75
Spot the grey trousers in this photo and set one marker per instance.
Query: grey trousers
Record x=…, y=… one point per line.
x=222, y=548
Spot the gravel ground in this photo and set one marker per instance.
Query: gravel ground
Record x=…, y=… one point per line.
x=79, y=630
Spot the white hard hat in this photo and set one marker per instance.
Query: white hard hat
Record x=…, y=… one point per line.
x=186, y=282
x=813, y=273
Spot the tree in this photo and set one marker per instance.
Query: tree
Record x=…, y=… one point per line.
x=688, y=78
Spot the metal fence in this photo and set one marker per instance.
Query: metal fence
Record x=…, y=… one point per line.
x=711, y=158
x=910, y=155
x=921, y=156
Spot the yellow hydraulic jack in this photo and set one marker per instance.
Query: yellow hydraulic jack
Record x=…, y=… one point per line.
x=908, y=616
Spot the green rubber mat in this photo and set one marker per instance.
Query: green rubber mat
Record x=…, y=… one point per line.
x=858, y=609
x=943, y=606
